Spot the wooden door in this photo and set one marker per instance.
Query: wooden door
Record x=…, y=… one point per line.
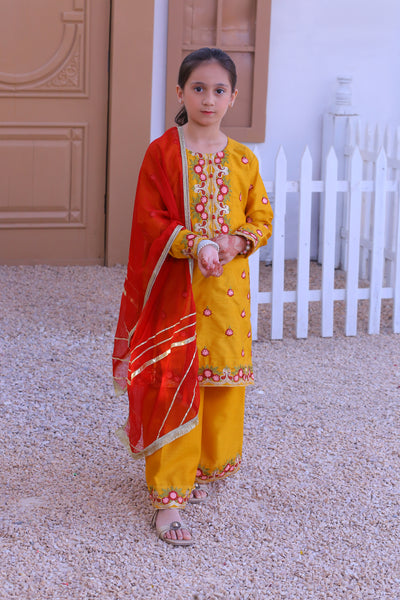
x=53, y=130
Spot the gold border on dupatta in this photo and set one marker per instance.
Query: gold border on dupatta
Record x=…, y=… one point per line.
x=160, y=442
x=185, y=184
x=156, y=271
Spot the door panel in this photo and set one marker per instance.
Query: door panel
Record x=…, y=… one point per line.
x=53, y=130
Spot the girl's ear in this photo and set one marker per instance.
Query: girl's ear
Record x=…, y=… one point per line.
x=179, y=93
x=233, y=98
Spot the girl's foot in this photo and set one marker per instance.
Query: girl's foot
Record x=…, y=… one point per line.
x=171, y=517
x=198, y=495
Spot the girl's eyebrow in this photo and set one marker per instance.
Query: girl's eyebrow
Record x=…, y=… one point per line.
x=213, y=84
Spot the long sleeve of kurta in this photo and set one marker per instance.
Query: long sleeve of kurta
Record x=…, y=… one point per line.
x=185, y=244
x=257, y=228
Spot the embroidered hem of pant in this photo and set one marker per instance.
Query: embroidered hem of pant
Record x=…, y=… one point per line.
x=204, y=475
x=172, y=498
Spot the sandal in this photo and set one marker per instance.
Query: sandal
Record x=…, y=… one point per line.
x=193, y=500
x=172, y=526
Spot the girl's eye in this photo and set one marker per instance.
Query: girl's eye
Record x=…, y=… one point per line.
x=198, y=88
x=220, y=91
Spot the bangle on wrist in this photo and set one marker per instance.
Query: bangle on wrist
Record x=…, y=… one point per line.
x=247, y=247
x=204, y=243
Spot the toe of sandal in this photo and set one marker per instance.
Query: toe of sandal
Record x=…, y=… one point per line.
x=173, y=526
x=193, y=499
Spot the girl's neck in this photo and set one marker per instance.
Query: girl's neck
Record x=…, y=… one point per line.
x=204, y=140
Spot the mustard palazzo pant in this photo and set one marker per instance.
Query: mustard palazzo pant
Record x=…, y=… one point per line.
x=210, y=451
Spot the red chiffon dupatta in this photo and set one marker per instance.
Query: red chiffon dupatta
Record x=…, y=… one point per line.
x=155, y=354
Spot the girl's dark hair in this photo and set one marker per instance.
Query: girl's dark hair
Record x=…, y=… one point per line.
x=192, y=61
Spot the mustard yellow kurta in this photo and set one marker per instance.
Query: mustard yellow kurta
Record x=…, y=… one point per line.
x=227, y=196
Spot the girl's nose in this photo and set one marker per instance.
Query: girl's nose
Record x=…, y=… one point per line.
x=208, y=99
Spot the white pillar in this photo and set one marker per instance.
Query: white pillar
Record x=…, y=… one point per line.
x=335, y=122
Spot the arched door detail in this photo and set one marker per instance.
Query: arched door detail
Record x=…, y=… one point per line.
x=65, y=71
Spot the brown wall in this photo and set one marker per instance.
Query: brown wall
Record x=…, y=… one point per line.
x=131, y=56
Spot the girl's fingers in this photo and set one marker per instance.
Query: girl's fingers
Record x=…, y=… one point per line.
x=209, y=263
x=210, y=269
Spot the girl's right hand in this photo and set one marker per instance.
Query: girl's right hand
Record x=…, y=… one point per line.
x=208, y=262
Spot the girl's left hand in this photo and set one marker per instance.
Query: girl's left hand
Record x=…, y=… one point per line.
x=229, y=246
x=208, y=262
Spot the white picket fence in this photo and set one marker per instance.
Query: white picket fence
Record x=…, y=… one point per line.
x=355, y=187
x=370, y=140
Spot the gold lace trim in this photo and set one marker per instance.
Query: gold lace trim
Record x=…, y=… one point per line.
x=186, y=193
x=161, y=356
x=160, y=442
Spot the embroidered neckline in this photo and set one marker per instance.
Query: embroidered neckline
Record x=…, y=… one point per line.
x=210, y=154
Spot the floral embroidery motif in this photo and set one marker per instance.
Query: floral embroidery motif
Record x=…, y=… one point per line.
x=212, y=376
x=205, y=351
x=190, y=239
x=229, y=332
x=190, y=243
x=213, y=205
x=264, y=200
x=207, y=312
x=245, y=160
x=230, y=292
x=169, y=498
x=204, y=474
x=250, y=234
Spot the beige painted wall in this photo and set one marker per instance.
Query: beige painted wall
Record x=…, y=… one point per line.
x=131, y=56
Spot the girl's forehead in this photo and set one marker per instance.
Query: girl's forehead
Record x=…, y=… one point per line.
x=210, y=72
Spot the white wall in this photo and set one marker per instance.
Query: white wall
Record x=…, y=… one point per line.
x=311, y=43
x=314, y=41
x=159, y=68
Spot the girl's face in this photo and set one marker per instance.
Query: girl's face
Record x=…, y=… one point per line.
x=207, y=94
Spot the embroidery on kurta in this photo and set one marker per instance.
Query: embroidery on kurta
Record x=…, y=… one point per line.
x=227, y=376
x=212, y=188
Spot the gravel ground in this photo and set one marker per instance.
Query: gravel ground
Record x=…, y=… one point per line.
x=313, y=514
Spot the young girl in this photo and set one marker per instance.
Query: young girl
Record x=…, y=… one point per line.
x=183, y=341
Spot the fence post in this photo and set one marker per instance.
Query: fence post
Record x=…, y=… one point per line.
x=304, y=240
x=254, y=268
x=278, y=246
x=328, y=244
x=378, y=243
x=396, y=245
x=353, y=246
x=396, y=275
